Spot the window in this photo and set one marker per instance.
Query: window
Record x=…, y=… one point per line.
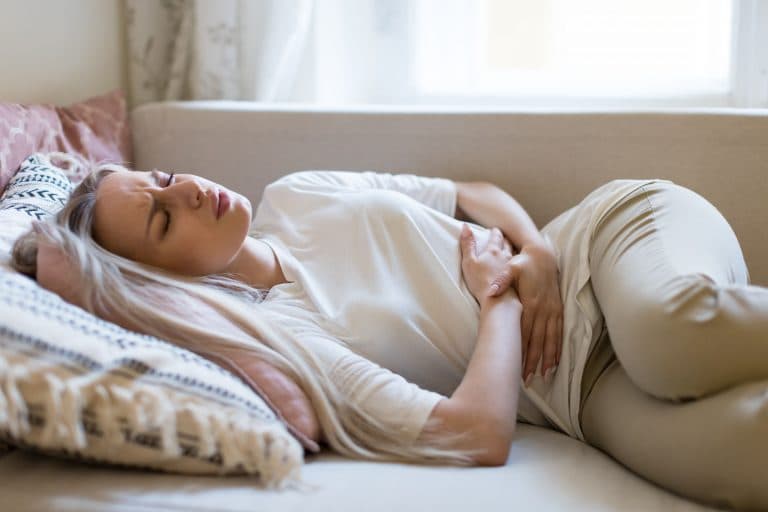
x=558, y=49
x=551, y=53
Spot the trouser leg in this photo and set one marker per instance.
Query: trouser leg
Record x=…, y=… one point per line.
x=686, y=403
x=672, y=284
x=713, y=450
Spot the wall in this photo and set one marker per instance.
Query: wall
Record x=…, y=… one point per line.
x=60, y=52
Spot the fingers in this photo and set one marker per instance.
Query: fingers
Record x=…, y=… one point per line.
x=544, y=346
x=559, y=339
x=526, y=326
x=467, y=242
x=505, y=280
x=507, y=247
x=550, y=346
x=496, y=238
x=535, y=347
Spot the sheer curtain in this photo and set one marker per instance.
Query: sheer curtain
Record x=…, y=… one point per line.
x=219, y=49
x=547, y=53
x=362, y=50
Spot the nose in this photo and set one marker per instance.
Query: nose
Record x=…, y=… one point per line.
x=187, y=192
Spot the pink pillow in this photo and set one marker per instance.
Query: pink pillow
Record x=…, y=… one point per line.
x=96, y=129
x=280, y=392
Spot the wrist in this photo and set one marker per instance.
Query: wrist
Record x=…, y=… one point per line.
x=509, y=299
x=541, y=246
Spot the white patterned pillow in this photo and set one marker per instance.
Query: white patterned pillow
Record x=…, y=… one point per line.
x=37, y=190
x=74, y=385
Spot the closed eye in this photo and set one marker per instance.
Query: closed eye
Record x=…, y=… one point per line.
x=167, y=213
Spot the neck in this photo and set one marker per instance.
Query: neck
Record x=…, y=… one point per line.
x=256, y=265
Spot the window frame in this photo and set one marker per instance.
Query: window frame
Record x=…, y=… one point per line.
x=749, y=54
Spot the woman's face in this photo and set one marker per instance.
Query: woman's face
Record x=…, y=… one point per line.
x=181, y=223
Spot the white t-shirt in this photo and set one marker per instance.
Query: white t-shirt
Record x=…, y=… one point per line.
x=377, y=293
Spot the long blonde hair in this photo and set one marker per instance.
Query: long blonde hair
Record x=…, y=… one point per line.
x=179, y=309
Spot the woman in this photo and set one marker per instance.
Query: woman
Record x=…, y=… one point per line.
x=393, y=327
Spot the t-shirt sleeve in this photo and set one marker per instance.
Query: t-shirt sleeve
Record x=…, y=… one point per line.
x=437, y=193
x=385, y=395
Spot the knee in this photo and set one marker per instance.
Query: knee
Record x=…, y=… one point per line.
x=662, y=337
x=689, y=300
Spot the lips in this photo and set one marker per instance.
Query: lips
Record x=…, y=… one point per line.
x=222, y=203
x=215, y=203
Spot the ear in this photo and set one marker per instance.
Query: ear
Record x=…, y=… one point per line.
x=56, y=273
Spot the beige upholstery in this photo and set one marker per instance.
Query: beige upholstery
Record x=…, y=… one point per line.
x=546, y=472
x=547, y=160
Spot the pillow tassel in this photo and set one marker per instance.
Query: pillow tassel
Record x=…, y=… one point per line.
x=162, y=416
x=280, y=465
x=18, y=415
x=72, y=411
x=54, y=423
x=126, y=408
x=247, y=445
x=202, y=425
x=141, y=420
x=230, y=455
x=4, y=416
x=106, y=417
x=94, y=396
x=171, y=444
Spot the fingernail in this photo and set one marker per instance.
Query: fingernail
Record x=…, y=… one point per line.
x=528, y=380
x=547, y=376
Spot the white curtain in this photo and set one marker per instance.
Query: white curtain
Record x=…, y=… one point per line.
x=256, y=50
x=364, y=51
x=511, y=52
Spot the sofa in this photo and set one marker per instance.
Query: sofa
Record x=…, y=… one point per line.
x=548, y=160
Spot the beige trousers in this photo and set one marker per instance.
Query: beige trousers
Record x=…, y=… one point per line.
x=684, y=403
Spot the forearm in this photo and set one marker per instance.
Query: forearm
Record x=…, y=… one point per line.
x=490, y=206
x=489, y=389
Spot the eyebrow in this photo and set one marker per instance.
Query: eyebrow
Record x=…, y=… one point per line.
x=155, y=206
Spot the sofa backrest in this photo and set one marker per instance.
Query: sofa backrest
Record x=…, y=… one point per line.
x=548, y=160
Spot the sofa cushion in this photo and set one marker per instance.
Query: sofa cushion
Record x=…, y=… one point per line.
x=95, y=130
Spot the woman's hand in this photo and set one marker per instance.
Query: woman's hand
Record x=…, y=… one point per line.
x=536, y=276
x=485, y=269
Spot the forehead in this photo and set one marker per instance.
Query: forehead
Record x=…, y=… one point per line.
x=124, y=179
x=124, y=188
x=121, y=210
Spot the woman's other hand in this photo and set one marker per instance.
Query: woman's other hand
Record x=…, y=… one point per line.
x=485, y=269
x=536, y=277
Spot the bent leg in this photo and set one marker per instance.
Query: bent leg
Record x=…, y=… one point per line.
x=670, y=278
x=712, y=450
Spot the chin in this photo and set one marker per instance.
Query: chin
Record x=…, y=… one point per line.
x=248, y=208
x=242, y=213
x=241, y=227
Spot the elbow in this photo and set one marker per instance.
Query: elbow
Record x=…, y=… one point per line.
x=496, y=457
x=497, y=452
x=487, y=438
